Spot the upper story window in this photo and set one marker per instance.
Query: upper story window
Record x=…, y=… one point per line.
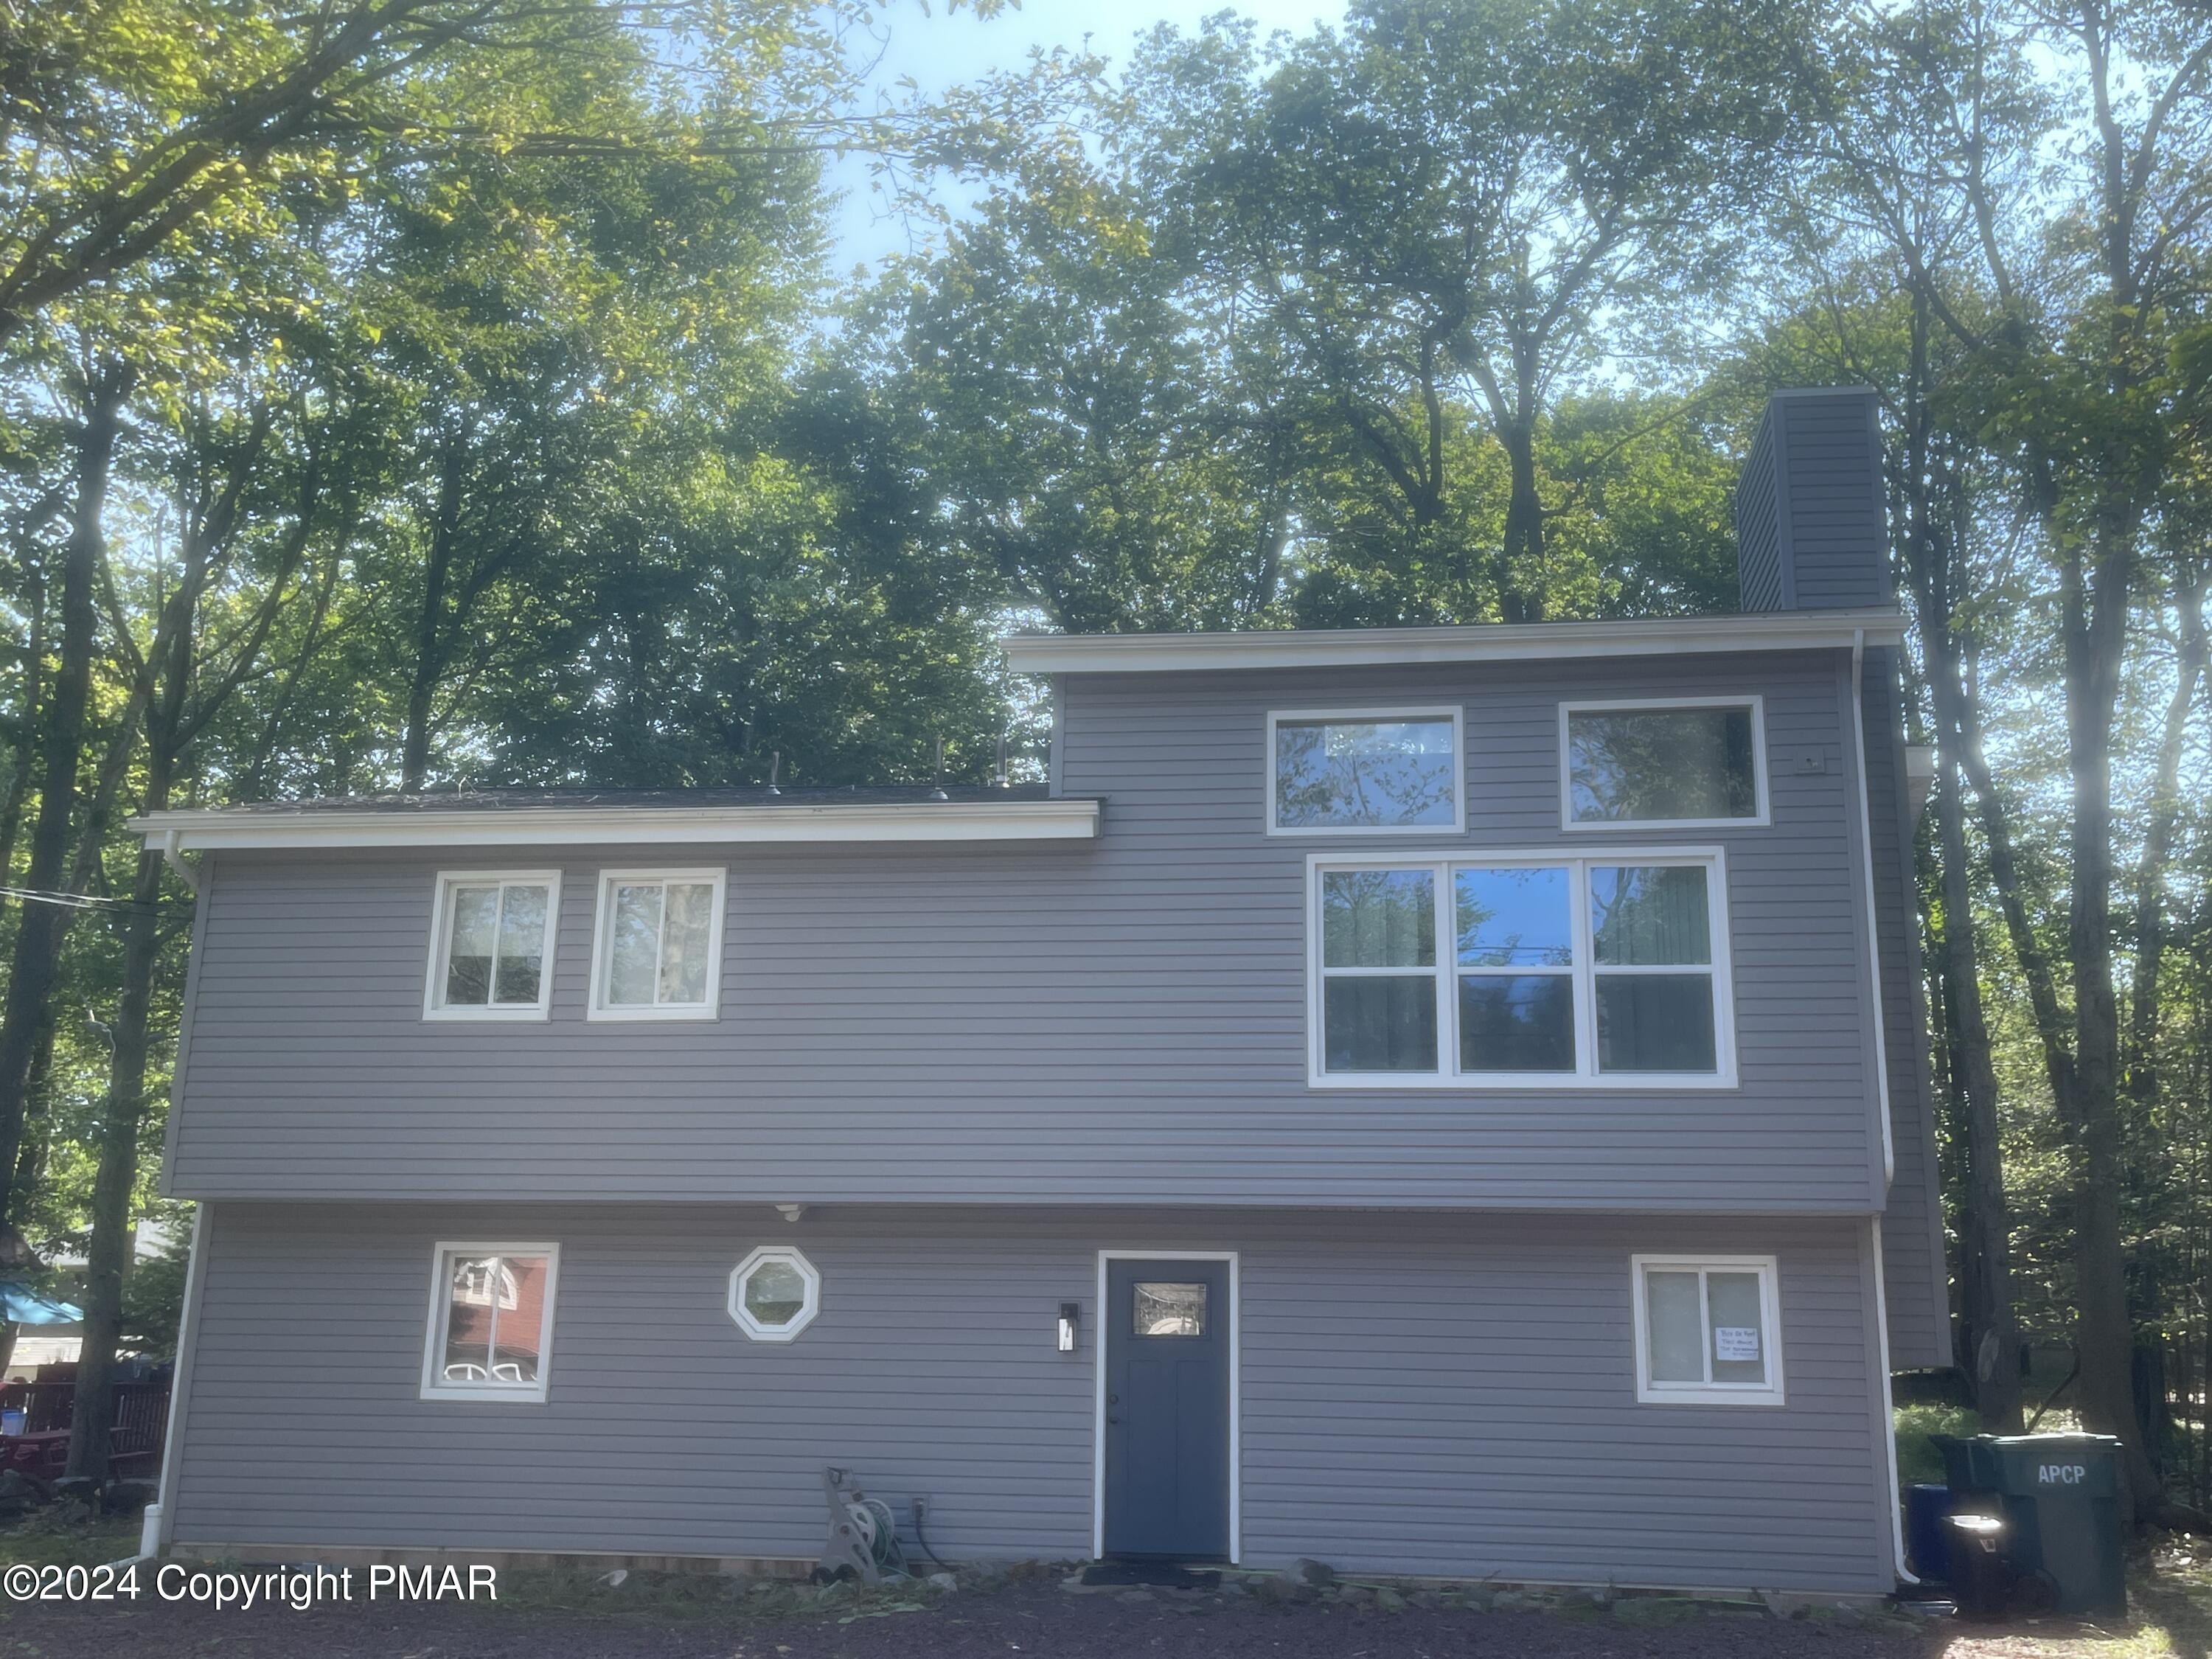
x=1708, y=1330
x=1686, y=762
x=491, y=1322
x=1365, y=773
x=1521, y=971
x=658, y=950
x=491, y=946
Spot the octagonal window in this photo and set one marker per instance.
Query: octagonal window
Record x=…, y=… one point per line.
x=775, y=1294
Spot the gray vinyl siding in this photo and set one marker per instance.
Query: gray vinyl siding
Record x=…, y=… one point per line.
x=1916, y=1278
x=1450, y=1395
x=1116, y=1021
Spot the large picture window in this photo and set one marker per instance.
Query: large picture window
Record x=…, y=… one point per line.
x=1708, y=1330
x=1669, y=760
x=1363, y=774
x=491, y=946
x=1521, y=971
x=657, y=951
x=491, y=1322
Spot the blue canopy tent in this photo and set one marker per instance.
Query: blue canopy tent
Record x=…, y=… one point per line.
x=21, y=1305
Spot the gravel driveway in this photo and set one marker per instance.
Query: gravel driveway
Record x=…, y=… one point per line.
x=1033, y=1618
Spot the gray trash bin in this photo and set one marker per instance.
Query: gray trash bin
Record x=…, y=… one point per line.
x=2059, y=1495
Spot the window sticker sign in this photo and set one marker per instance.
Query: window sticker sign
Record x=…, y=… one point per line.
x=1735, y=1341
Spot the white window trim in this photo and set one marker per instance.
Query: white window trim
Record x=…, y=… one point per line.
x=1576, y=860
x=435, y=1387
x=434, y=1006
x=602, y=943
x=1768, y=1393
x=1762, y=819
x=808, y=1308
x=1454, y=713
x=1236, y=1393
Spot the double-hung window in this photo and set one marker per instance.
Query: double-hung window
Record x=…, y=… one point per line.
x=491, y=1322
x=658, y=953
x=492, y=936
x=1521, y=969
x=1708, y=1330
x=1684, y=763
x=1365, y=773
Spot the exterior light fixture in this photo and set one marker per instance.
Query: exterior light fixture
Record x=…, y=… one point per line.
x=1071, y=1314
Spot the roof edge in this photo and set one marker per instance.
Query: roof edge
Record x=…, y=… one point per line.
x=208, y=829
x=1656, y=636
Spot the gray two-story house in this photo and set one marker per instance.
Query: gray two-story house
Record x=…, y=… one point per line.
x=1445, y=1101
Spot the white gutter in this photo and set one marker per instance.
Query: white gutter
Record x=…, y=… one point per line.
x=577, y=826
x=1660, y=636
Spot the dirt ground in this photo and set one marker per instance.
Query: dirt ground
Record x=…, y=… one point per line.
x=540, y=1617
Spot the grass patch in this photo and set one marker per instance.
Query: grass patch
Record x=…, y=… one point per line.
x=1918, y=1462
x=701, y=1597
x=47, y=1536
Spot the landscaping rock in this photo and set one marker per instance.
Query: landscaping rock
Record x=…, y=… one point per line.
x=1514, y=1601
x=1389, y=1600
x=125, y=1496
x=17, y=1487
x=1311, y=1573
x=1354, y=1595
x=943, y=1581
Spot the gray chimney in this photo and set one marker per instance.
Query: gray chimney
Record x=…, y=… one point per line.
x=1810, y=510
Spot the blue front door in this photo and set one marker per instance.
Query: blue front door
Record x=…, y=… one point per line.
x=1167, y=1335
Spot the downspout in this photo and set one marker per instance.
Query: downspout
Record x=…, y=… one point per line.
x=161, y=1522
x=173, y=855
x=1905, y=1574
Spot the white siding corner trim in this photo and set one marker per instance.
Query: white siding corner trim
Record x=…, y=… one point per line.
x=1236, y=1394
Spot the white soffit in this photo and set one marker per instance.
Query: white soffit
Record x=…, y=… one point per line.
x=215, y=830
x=1658, y=636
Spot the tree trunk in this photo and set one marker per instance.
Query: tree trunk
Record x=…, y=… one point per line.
x=429, y=622
x=1523, y=553
x=2105, y=1327
x=109, y=1257
x=37, y=941
x=2158, y=848
x=1984, y=1219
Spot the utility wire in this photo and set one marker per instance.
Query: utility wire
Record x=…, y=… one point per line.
x=68, y=901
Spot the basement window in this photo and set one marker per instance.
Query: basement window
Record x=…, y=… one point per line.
x=775, y=1294
x=1707, y=1330
x=657, y=947
x=491, y=1322
x=1678, y=762
x=491, y=946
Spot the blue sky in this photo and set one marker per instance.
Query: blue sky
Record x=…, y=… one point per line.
x=939, y=52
